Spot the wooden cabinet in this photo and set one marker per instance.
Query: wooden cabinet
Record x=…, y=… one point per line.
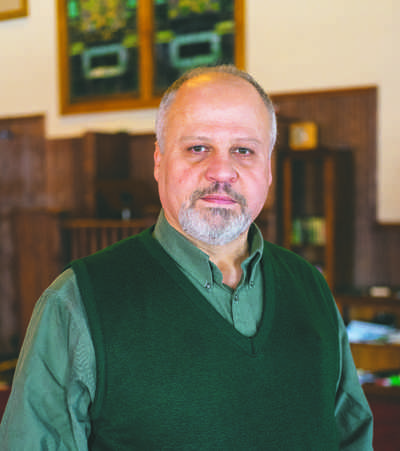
x=374, y=357
x=384, y=401
x=119, y=182
x=316, y=208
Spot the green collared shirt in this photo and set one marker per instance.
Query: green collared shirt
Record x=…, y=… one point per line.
x=55, y=380
x=243, y=306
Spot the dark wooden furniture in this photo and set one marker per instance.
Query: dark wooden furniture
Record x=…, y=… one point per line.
x=372, y=356
x=384, y=401
x=385, y=406
x=346, y=118
x=82, y=237
x=315, y=209
x=46, y=243
x=6, y=373
x=4, y=394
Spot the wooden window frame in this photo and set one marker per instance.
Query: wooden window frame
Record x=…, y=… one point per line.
x=19, y=10
x=146, y=98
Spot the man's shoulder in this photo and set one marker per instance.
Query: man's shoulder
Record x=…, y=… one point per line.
x=300, y=279
x=287, y=261
x=125, y=248
x=132, y=260
x=282, y=253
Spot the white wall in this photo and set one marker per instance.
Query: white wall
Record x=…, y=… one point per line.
x=290, y=46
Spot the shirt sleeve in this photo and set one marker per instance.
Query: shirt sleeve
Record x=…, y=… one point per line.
x=353, y=414
x=54, y=382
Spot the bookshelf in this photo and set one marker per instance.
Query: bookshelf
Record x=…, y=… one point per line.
x=316, y=208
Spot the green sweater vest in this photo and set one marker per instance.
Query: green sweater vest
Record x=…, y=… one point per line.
x=172, y=374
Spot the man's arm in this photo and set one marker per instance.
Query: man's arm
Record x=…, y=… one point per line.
x=54, y=382
x=353, y=415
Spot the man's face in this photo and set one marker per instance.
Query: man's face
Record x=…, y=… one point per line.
x=214, y=170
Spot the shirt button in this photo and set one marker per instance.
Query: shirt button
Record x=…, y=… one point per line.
x=252, y=284
x=236, y=297
x=207, y=285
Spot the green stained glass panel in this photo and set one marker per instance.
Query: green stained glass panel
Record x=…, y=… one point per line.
x=102, y=48
x=189, y=33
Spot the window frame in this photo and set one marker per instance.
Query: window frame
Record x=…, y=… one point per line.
x=125, y=101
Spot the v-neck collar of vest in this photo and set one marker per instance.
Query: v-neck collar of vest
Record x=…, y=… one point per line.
x=251, y=345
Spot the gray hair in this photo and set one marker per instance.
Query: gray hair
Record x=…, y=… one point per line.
x=170, y=94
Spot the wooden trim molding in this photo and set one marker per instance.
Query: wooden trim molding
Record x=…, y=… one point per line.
x=12, y=9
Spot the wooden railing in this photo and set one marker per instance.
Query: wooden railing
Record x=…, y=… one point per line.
x=84, y=236
x=44, y=243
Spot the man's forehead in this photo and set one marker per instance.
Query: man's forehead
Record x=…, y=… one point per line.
x=212, y=89
x=214, y=78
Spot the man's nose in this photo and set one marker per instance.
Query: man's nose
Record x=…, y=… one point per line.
x=220, y=168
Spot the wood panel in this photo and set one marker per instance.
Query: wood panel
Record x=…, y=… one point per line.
x=22, y=163
x=8, y=295
x=142, y=157
x=142, y=172
x=65, y=175
x=71, y=167
x=386, y=422
x=83, y=237
x=22, y=185
x=37, y=258
x=347, y=119
x=376, y=357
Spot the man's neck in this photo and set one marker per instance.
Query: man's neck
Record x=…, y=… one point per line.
x=228, y=258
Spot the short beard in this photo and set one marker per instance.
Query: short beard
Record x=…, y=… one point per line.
x=215, y=225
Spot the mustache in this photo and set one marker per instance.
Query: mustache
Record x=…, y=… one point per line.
x=218, y=188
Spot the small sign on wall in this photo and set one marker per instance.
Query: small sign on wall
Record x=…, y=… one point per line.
x=303, y=135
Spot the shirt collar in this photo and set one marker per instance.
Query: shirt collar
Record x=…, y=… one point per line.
x=196, y=263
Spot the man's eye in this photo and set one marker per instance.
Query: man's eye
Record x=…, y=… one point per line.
x=198, y=149
x=242, y=151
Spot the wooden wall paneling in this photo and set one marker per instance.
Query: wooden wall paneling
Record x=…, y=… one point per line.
x=22, y=162
x=142, y=173
x=76, y=163
x=86, y=236
x=347, y=118
x=142, y=156
x=37, y=258
x=22, y=185
x=65, y=175
x=122, y=173
x=386, y=255
x=111, y=155
x=71, y=166
x=8, y=296
x=266, y=220
x=88, y=167
x=78, y=167
x=112, y=189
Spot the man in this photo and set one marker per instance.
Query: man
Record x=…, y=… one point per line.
x=196, y=334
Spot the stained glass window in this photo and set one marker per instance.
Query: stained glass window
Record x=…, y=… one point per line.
x=121, y=54
x=102, y=48
x=190, y=33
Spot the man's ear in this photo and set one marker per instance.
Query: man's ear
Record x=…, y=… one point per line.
x=269, y=172
x=157, y=160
